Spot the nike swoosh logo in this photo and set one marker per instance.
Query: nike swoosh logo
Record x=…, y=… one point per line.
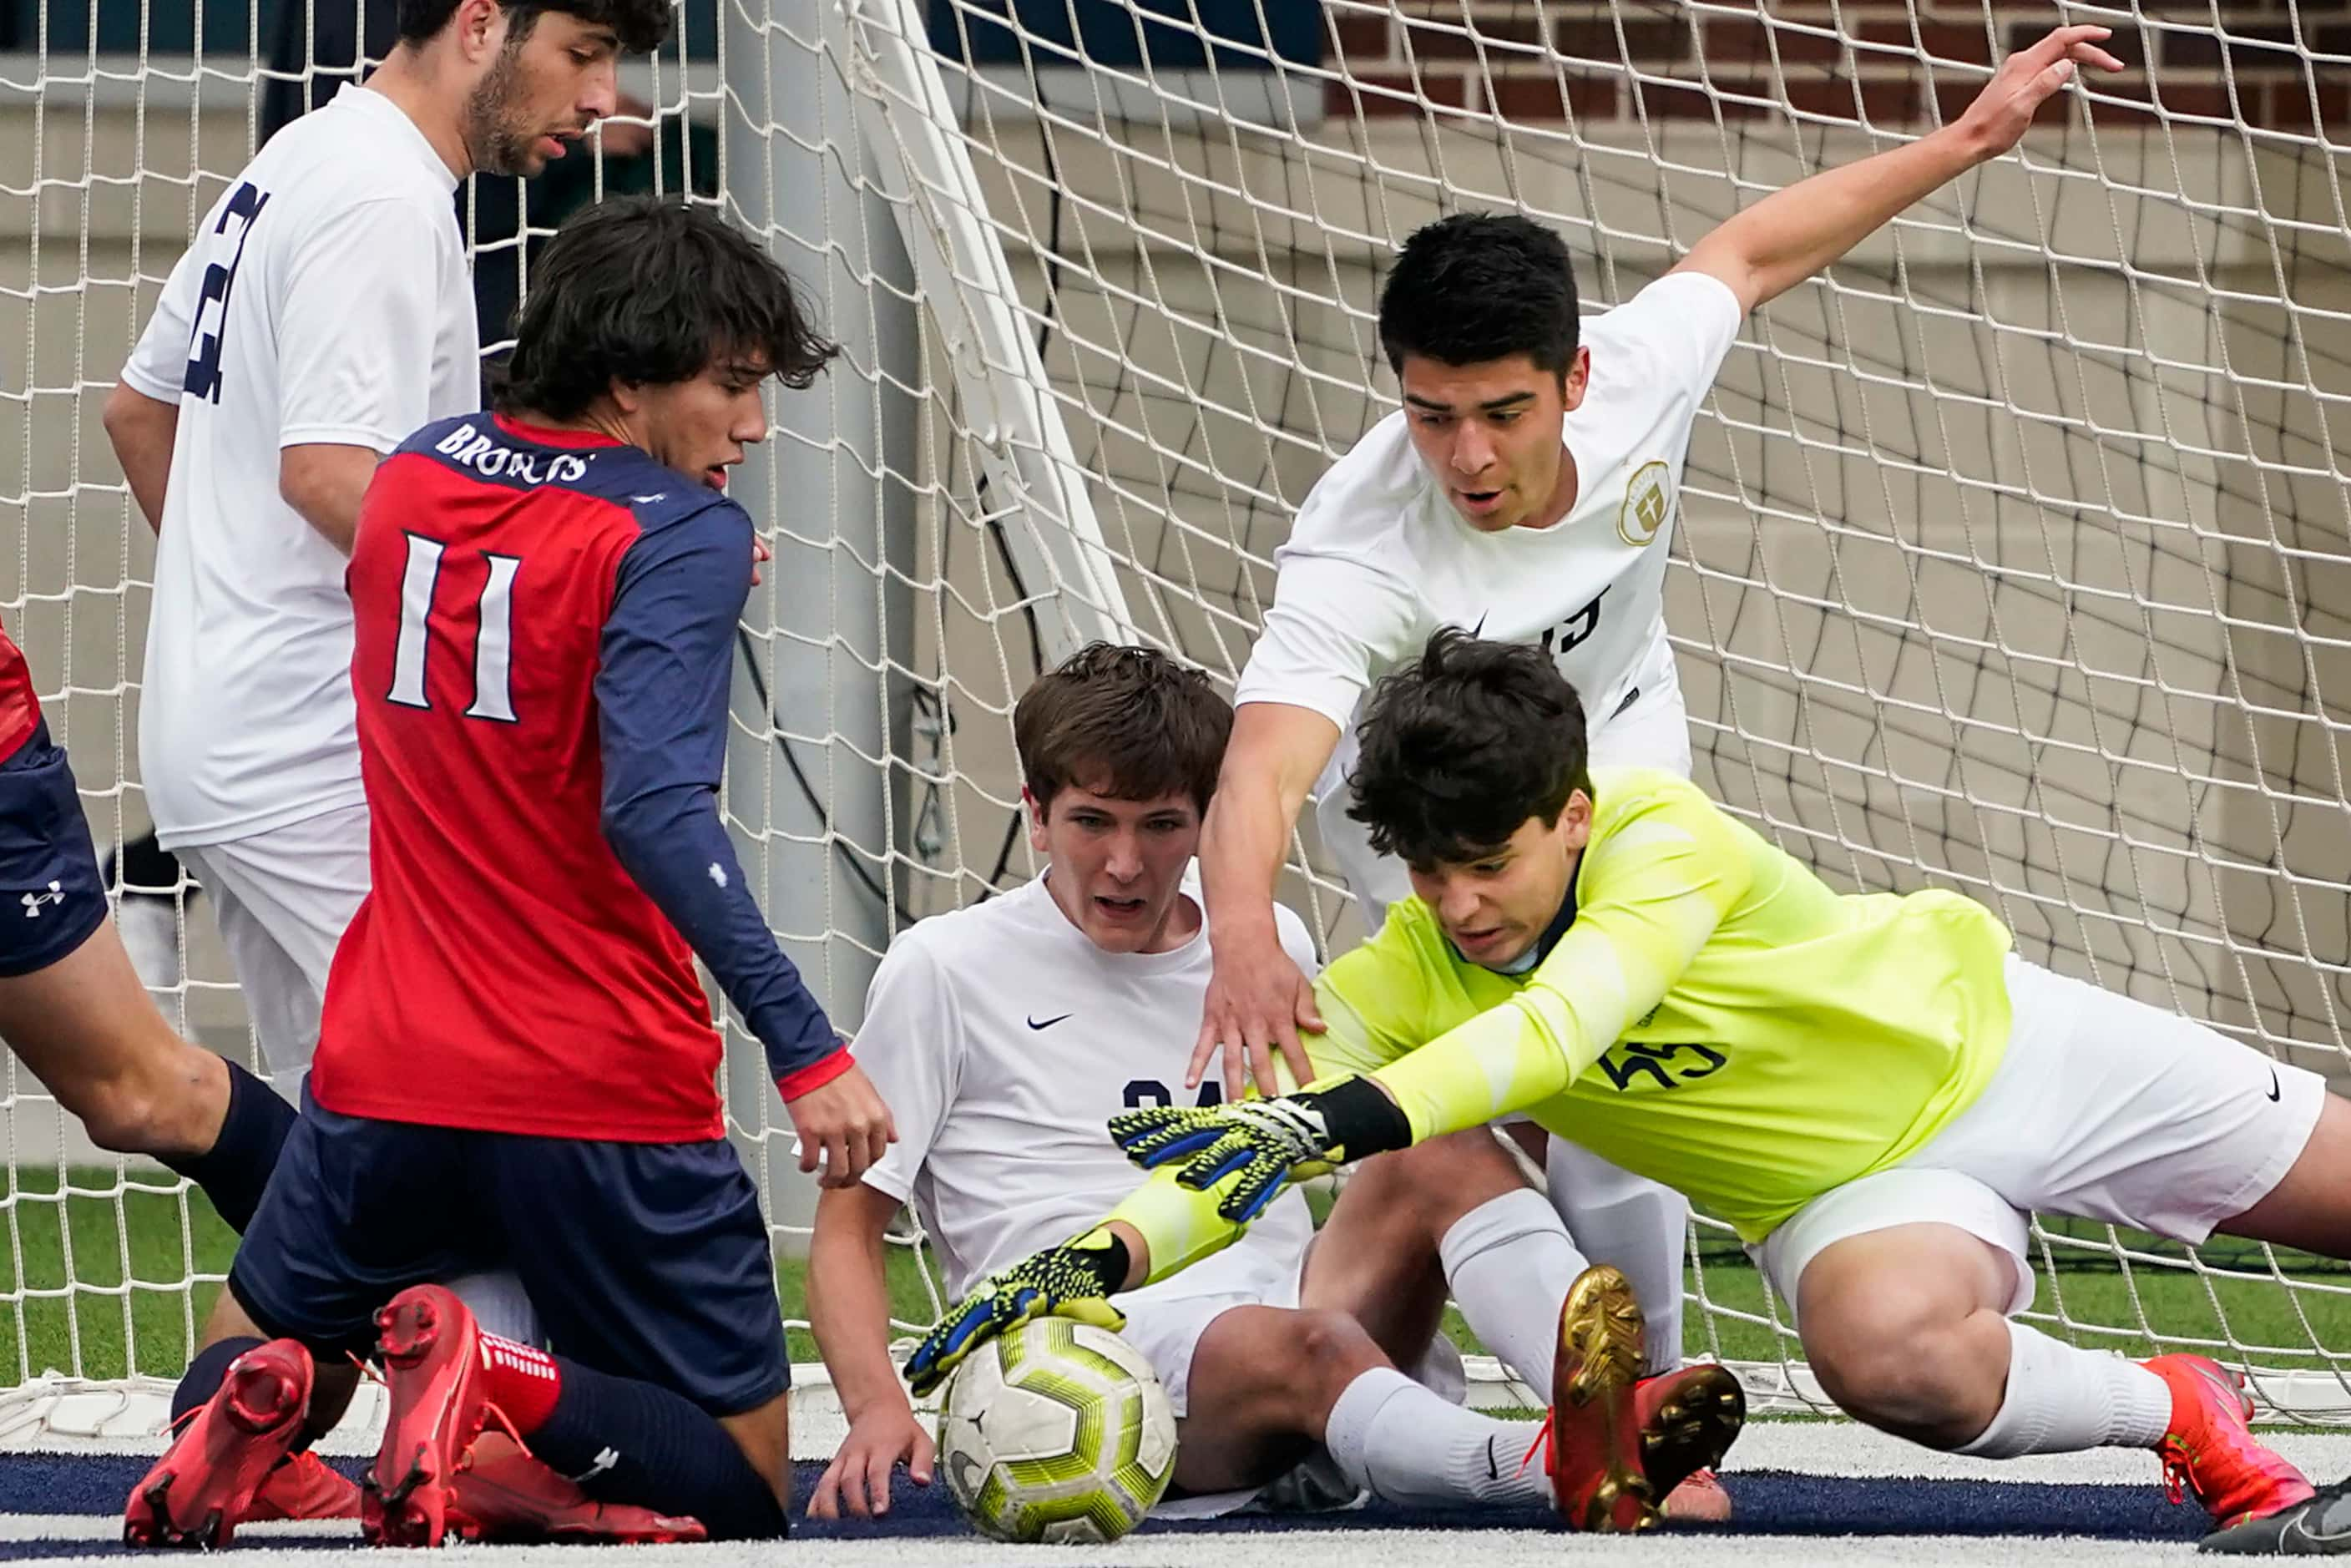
x=1049, y=1022
x=1492, y=1473
x=2274, y=1083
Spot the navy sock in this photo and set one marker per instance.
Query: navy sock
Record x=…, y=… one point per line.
x=234, y=1171
x=204, y=1376
x=630, y=1442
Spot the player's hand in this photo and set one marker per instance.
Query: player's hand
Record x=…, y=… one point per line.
x=844, y=1124
x=1257, y=1001
x=1261, y=1145
x=857, y=1482
x=761, y=556
x=1060, y=1282
x=1997, y=119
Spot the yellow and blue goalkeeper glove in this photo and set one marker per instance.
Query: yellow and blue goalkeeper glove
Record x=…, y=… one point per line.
x=1264, y=1144
x=1070, y=1280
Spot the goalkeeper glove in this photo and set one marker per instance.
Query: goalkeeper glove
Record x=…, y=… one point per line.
x=1070, y=1280
x=1263, y=1144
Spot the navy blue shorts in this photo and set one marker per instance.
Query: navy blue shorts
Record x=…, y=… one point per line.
x=52, y=894
x=644, y=1261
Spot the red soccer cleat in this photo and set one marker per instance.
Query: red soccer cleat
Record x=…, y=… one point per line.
x=1689, y=1417
x=513, y=1496
x=432, y=1374
x=2210, y=1451
x=206, y=1481
x=1597, y=1476
x=304, y=1487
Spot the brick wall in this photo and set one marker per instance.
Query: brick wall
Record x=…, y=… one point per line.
x=2267, y=66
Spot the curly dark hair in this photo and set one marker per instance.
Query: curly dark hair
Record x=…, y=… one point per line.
x=642, y=25
x=1477, y=287
x=647, y=291
x=1131, y=723
x=1458, y=749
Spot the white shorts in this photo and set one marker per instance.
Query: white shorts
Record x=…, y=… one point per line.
x=1165, y=1321
x=2104, y=1108
x=283, y=899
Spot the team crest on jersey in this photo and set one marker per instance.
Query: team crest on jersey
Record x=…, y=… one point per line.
x=1645, y=502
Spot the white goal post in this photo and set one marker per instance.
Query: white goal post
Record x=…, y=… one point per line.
x=2014, y=555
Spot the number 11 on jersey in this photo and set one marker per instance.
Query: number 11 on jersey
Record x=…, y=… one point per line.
x=493, y=646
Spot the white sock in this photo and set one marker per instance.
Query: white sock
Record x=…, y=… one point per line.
x=2062, y=1399
x=1633, y=1223
x=500, y=1306
x=1390, y=1436
x=1508, y=1263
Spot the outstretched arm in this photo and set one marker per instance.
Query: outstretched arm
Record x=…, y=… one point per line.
x=662, y=689
x=1793, y=233
x=849, y=1312
x=1257, y=1001
x=1162, y=1227
x=1657, y=888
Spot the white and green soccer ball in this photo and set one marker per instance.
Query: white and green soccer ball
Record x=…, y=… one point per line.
x=1057, y=1431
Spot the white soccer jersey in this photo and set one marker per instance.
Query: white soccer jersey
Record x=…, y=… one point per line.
x=1003, y=1039
x=325, y=300
x=1378, y=559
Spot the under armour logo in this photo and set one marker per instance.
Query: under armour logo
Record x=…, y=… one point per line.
x=717, y=874
x=605, y=1460
x=33, y=901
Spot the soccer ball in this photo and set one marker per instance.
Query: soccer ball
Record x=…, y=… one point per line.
x=1057, y=1431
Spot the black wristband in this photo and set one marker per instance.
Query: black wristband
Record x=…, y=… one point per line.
x=1108, y=1263
x=1360, y=1119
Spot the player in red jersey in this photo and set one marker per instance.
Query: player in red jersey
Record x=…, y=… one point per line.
x=73, y=1008
x=516, y=1063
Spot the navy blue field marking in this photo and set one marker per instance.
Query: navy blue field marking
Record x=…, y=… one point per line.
x=1770, y=1502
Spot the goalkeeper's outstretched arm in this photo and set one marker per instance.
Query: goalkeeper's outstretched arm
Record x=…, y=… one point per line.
x=1662, y=886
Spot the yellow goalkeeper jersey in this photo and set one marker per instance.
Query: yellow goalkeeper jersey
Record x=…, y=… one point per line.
x=1714, y=1017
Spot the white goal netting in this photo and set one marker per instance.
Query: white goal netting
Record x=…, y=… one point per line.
x=2013, y=551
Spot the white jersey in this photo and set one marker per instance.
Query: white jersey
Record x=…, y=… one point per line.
x=1003, y=1039
x=325, y=300
x=1378, y=559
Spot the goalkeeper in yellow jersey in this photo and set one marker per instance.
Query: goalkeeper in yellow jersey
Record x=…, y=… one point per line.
x=1870, y=1089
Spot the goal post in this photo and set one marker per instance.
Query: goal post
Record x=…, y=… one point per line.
x=2012, y=551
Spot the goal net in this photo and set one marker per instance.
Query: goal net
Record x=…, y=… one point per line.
x=2011, y=557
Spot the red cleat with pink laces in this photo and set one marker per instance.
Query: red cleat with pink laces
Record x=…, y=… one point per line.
x=207, y=1480
x=432, y=1377
x=2210, y=1452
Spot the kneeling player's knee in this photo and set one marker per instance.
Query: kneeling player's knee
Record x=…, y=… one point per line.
x=123, y=1116
x=1287, y=1366
x=1330, y=1348
x=1912, y=1375
x=1434, y=1184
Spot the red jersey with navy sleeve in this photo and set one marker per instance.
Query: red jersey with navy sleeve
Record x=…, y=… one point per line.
x=20, y=709
x=544, y=627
